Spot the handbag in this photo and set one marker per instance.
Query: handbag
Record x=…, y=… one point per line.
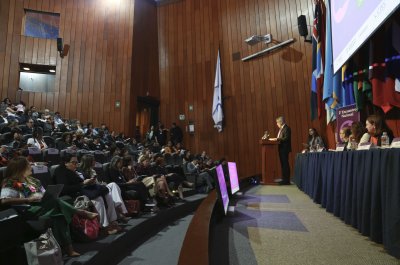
x=133, y=207
x=44, y=251
x=93, y=191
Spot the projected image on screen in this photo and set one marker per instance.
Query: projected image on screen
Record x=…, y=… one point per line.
x=233, y=177
x=222, y=187
x=353, y=22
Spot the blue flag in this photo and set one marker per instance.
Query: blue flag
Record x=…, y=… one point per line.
x=314, y=76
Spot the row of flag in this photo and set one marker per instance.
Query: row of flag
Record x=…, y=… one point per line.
x=372, y=74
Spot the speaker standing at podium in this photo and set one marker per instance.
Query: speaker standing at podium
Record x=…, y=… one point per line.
x=285, y=147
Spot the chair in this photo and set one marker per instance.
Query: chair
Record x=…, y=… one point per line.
x=193, y=177
x=120, y=145
x=43, y=175
x=106, y=155
x=177, y=160
x=101, y=175
x=26, y=137
x=49, y=141
x=37, y=157
x=192, y=156
x=97, y=129
x=65, y=119
x=5, y=138
x=73, y=122
x=2, y=173
x=56, y=141
x=81, y=153
x=99, y=156
x=67, y=151
x=53, y=171
x=2, y=125
x=105, y=170
x=52, y=156
x=52, y=114
x=169, y=162
x=84, y=127
x=57, y=135
x=21, y=126
x=157, y=156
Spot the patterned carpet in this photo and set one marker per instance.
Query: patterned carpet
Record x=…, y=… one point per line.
x=282, y=225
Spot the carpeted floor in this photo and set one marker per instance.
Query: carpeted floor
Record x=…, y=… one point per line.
x=282, y=225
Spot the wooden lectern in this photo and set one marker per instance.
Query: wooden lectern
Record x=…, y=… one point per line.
x=269, y=162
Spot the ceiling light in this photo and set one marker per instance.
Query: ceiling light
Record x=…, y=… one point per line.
x=26, y=68
x=53, y=71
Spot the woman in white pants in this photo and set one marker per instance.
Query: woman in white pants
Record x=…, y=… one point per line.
x=86, y=167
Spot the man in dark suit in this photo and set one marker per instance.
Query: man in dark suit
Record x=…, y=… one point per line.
x=176, y=134
x=28, y=129
x=285, y=147
x=194, y=169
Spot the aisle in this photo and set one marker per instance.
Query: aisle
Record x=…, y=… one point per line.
x=281, y=225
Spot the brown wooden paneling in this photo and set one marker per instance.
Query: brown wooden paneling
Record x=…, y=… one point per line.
x=103, y=37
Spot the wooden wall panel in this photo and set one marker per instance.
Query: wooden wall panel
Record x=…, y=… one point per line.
x=260, y=90
x=103, y=37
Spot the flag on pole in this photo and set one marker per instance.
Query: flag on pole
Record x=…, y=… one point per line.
x=217, y=113
x=314, y=98
x=347, y=80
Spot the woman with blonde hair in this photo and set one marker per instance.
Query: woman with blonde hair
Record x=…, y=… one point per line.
x=87, y=169
x=19, y=187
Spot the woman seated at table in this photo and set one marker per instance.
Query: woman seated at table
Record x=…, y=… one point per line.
x=66, y=142
x=74, y=181
x=358, y=134
x=87, y=169
x=19, y=187
x=169, y=149
x=376, y=126
x=37, y=140
x=345, y=133
x=314, y=139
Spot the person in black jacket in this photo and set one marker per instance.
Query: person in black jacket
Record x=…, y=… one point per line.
x=16, y=133
x=285, y=147
x=161, y=136
x=176, y=134
x=74, y=181
x=80, y=143
x=11, y=125
x=3, y=117
x=97, y=145
x=111, y=138
x=114, y=151
x=26, y=116
x=66, y=142
x=28, y=129
x=115, y=174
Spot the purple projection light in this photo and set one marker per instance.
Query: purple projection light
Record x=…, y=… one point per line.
x=222, y=187
x=233, y=177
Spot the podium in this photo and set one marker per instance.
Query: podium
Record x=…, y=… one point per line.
x=269, y=161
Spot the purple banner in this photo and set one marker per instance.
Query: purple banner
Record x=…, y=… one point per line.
x=345, y=118
x=222, y=186
x=233, y=177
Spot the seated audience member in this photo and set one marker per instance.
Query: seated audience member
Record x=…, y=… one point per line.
x=97, y=145
x=7, y=101
x=156, y=148
x=80, y=132
x=11, y=125
x=314, y=139
x=116, y=176
x=345, y=133
x=90, y=126
x=193, y=169
x=114, y=151
x=3, y=117
x=89, y=134
x=104, y=128
x=86, y=168
x=169, y=149
x=376, y=126
x=20, y=107
x=178, y=148
x=208, y=165
x=147, y=152
x=122, y=138
x=18, y=187
x=42, y=119
x=28, y=129
x=73, y=182
x=124, y=152
x=77, y=126
x=80, y=143
x=170, y=177
x=138, y=136
x=26, y=116
x=129, y=173
x=358, y=134
x=133, y=149
x=3, y=156
x=103, y=138
x=161, y=136
x=203, y=156
x=12, y=113
x=57, y=119
x=34, y=112
x=145, y=144
x=46, y=113
x=66, y=142
x=150, y=136
x=16, y=143
x=37, y=140
x=186, y=157
x=111, y=138
x=176, y=134
x=49, y=127
x=144, y=169
x=64, y=127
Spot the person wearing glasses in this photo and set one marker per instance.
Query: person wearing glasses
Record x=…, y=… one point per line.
x=77, y=126
x=28, y=129
x=57, y=118
x=314, y=139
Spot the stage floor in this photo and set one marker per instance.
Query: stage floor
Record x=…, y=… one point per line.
x=282, y=225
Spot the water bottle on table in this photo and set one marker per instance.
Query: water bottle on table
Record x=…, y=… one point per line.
x=353, y=145
x=385, y=141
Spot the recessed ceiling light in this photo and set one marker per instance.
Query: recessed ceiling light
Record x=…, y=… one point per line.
x=26, y=68
x=53, y=71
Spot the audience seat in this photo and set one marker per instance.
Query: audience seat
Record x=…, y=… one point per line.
x=49, y=141
x=106, y=155
x=65, y=119
x=52, y=114
x=73, y=122
x=169, y=161
x=51, y=159
x=157, y=155
x=97, y=129
x=99, y=156
x=120, y=145
x=53, y=171
x=2, y=125
x=56, y=141
x=57, y=135
x=2, y=173
x=5, y=138
x=101, y=175
x=107, y=177
x=193, y=177
x=66, y=151
x=177, y=160
x=81, y=153
x=43, y=175
x=26, y=137
x=36, y=157
x=192, y=156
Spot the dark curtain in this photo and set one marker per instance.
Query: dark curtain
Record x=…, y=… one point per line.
x=155, y=104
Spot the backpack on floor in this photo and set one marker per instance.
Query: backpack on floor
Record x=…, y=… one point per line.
x=202, y=189
x=84, y=230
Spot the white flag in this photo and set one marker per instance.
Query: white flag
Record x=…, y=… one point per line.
x=217, y=113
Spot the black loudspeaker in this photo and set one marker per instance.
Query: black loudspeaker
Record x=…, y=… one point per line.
x=301, y=20
x=59, y=44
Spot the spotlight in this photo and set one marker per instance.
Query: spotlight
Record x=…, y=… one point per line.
x=26, y=68
x=253, y=40
x=53, y=71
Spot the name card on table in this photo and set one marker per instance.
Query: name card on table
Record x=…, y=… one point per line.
x=83, y=151
x=395, y=143
x=98, y=152
x=321, y=149
x=340, y=147
x=52, y=151
x=70, y=151
x=39, y=169
x=34, y=150
x=98, y=165
x=366, y=146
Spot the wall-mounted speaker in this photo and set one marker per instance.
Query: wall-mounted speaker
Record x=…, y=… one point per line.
x=301, y=20
x=59, y=44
